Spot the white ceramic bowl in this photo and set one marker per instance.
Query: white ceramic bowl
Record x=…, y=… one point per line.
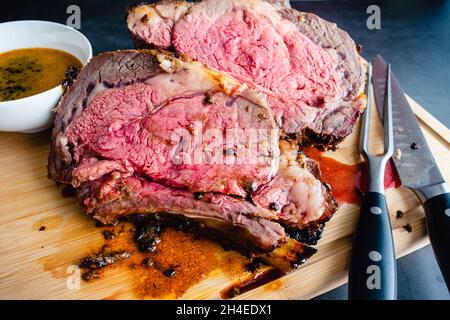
x=34, y=113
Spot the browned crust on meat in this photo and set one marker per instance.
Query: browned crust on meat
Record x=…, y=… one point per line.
x=289, y=256
x=117, y=204
x=340, y=41
x=60, y=163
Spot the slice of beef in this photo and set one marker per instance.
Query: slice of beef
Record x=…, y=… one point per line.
x=111, y=142
x=233, y=218
x=107, y=70
x=309, y=68
x=233, y=222
x=113, y=131
x=179, y=127
x=297, y=195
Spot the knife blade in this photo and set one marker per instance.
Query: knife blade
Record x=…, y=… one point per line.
x=416, y=165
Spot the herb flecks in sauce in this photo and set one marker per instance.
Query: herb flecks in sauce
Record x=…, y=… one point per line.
x=26, y=72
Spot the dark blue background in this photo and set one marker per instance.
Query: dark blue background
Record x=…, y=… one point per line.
x=414, y=36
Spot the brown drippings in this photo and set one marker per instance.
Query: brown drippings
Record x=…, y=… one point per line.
x=251, y=283
x=91, y=275
x=108, y=235
x=274, y=285
x=47, y=223
x=54, y=266
x=190, y=259
x=348, y=182
x=103, y=259
x=233, y=264
x=164, y=261
x=119, y=244
x=254, y=265
x=179, y=261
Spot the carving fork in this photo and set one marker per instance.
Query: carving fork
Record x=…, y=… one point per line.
x=373, y=271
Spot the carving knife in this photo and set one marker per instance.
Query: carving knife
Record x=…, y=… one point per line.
x=416, y=166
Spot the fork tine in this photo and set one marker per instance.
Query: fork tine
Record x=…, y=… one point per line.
x=365, y=125
x=387, y=111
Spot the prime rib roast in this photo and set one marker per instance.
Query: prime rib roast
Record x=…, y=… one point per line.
x=309, y=68
x=206, y=128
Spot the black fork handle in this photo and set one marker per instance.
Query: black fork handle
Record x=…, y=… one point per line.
x=373, y=274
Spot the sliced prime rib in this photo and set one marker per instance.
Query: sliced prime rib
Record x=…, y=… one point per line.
x=301, y=201
x=295, y=199
x=139, y=127
x=110, y=199
x=309, y=68
x=113, y=142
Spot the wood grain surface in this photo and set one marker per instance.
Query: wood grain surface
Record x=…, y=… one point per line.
x=36, y=265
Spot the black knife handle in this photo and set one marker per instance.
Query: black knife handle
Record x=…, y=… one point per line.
x=437, y=210
x=373, y=272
